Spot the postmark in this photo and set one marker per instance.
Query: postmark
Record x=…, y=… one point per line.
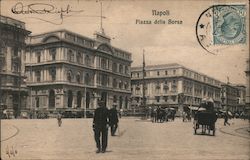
x=221, y=26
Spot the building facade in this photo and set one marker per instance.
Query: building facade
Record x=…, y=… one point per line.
x=67, y=71
x=248, y=85
x=13, y=90
x=173, y=85
x=241, y=97
x=233, y=97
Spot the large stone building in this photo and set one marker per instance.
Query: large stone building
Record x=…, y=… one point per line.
x=68, y=71
x=13, y=91
x=173, y=85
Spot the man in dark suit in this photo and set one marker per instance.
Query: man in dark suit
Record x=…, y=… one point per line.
x=113, y=115
x=100, y=126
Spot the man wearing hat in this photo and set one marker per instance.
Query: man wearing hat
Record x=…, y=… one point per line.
x=100, y=126
x=113, y=120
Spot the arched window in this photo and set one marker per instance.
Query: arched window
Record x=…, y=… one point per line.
x=51, y=99
x=78, y=77
x=87, y=60
x=79, y=57
x=69, y=76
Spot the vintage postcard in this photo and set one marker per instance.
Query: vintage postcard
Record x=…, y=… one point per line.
x=124, y=79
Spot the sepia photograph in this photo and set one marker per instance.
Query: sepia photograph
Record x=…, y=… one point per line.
x=124, y=80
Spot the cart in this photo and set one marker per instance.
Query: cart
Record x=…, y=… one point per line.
x=205, y=118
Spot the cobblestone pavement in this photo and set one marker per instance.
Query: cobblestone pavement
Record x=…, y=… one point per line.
x=137, y=139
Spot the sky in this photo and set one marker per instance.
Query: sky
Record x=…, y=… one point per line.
x=162, y=43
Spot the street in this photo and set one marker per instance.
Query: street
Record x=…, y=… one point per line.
x=136, y=139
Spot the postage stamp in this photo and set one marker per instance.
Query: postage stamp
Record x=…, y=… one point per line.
x=221, y=26
x=229, y=24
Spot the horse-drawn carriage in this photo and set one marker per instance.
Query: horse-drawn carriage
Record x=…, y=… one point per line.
x=205, y=117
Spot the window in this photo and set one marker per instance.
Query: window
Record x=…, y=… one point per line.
x=120, y=84
x=173, y=98
x=103, y=63
x=53, y=74
x=114, y=83
x=78, y=77
x=15, y=52
x=174, y=72
x=166, y=98
x=15, y=66
x=15, y=82
x=158, y=73
x=70, y=55
x=158, y=85
x=38, y=57
x=79, y=57
x=38, y=76
x=157, y=98
x=126, y=85
x=52, y=52
x=37, y=102
x=114, y=99
x=137, y=90
x=126, y=69
x=87, y=60
x=87, y=78
x=69, y=76
x=114, y=67
x=104, y=80
x=166, y=72
x=120, y=68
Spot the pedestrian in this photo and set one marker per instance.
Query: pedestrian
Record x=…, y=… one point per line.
x=113, y=117
x=100, y=126
x=226, y=116
x=59, y=119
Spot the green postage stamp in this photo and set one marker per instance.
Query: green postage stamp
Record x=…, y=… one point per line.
x=229, y=24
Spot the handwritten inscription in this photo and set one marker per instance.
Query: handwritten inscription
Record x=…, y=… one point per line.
x=41, y=8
